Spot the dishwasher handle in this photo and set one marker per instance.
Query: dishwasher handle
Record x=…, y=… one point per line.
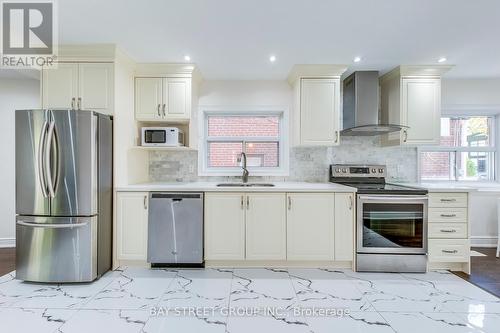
x=175, y=196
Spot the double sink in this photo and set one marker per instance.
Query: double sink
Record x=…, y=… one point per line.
x=245, y=185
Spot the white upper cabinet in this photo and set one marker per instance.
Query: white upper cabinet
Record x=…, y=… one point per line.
x=95, y=82
x=411, y=96
x=319, y=111
x=148, y=99
x=162, y=99
x=60, y=86
x=315, y=119
x=177, y=97
x=81, y=86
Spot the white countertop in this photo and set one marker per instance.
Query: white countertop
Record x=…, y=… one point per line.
x=212, y=187
x=457, y=186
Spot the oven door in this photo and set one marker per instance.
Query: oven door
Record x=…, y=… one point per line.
x=392, y=224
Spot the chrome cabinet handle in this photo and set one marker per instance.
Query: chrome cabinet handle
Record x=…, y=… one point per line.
x=448, y=215
x=449, y=251
x=289, y=203
x=52, y=225
x=73, y=103
x=337, y=136
x=79, y=103
x=350, y=202
x=48, y=153
x=448, y=200
x=145, y=202
x=248, y=202
x=41, y=156
x=242, y=203
x=448, y=230
x=158, y=110
x=163, y=109
x=405, y=134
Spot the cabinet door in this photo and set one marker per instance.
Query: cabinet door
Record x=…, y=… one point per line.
x=177, y=98
x=310, y=226
x=344, y=226
x=224, y=226
x=131, y=225
x=421, y=111
x=60, y=86
x=96, y=87
x=148, y=99
x=266, y=226
x=319, y=112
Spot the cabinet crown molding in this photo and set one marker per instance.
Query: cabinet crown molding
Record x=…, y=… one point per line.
x=168, y=70
x=87, y=53
x=435, y=71
x=315, y=71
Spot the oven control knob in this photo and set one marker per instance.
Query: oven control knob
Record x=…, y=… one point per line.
x=344, y=170
x=381, y=170
x=374, y=170
x=337, y=170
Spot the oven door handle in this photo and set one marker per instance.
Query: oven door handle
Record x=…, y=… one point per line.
x=395, y=198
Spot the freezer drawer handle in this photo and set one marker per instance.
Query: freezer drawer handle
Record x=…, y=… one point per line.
x=51, y=225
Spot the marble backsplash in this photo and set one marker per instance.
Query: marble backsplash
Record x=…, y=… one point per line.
x=308, y=164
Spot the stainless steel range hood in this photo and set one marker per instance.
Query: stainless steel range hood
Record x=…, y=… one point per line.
x=361, y=106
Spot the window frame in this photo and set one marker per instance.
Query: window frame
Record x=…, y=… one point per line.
x=256, y=111
x=490, y=149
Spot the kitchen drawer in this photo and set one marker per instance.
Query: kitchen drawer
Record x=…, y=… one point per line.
x=437, y=215
x=447, y=230
x=448, y=200
x=449, y=250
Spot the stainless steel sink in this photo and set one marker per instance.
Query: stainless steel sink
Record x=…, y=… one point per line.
x=245, y=185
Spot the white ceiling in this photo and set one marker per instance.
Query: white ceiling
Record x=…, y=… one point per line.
x=232, y=39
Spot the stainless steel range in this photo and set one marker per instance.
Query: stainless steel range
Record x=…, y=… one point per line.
x=391, y=227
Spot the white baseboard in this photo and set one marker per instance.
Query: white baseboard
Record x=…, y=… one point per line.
x=7, y=242
x=483, y=241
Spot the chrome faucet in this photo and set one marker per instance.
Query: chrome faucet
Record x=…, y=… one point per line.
x=243, y=159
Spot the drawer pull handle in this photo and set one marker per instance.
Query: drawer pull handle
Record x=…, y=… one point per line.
x=448, y=215
x=448, y=200
x=448, y=230
x=449, y=251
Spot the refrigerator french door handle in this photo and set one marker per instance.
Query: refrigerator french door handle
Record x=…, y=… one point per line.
x=52, y=225
x=48, y=153
x=41, y=159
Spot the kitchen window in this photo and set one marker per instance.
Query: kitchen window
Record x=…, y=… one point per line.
x=466, y=151
x=259, y=134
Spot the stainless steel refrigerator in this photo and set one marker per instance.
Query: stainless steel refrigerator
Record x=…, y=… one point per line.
x=63, y=195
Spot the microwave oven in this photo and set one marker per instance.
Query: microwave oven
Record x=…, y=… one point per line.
x=162, y=136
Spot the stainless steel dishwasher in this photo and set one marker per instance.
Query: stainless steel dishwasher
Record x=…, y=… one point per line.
x=175, y=229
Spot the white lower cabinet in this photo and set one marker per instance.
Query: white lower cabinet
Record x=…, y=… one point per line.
x=265, y=226
x=310, y=226
x=345, y=225
x=131, y=225
x=225, y=226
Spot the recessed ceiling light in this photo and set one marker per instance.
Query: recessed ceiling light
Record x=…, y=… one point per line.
x=272, y=58
x=357, y=59
x=442, y=59
x=187, y=58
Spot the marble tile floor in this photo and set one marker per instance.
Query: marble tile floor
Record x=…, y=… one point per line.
x=250, y=300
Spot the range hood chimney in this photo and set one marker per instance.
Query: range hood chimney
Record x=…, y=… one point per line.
x=361, y=106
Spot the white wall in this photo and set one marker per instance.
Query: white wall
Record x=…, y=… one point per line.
x=245, y=93
x=481, y=97
x=14, y=94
